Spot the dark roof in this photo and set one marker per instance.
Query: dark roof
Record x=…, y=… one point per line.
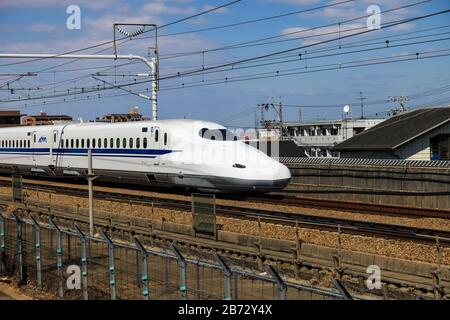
x=398, y=130
x=50, y=116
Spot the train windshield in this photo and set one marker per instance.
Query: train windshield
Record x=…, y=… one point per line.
x=217, y=134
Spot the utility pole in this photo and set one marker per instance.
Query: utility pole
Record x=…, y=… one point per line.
x=361, y=98
x=300, y=114
x=280, y=113
x=90, y=179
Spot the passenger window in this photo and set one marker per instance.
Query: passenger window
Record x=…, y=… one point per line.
x=67, y=143
x=165, y=138
x=93, y=143
x=105, y=143
x=77, y=143
x=138, y=143
x=21, y=143
x=88, y=143
x=71, y=143
x=99, y=142
x=28, y=143
x=34, y=137
x=131, y=142
x=111, y=143
x=124, y=142
x=82, y=143
x=118, y=143
x=156, y=135
x=144, y=143
x=54, y=136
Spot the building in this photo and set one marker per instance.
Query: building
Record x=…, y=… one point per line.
x=421, y=134
x=319, y=137
x=9, y=118
x=132, y=115
x=43, y=118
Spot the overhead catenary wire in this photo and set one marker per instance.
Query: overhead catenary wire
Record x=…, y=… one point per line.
x=229, y=78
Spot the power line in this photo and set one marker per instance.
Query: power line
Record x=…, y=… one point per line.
x=294, y=60
x=308, y=46
x=253, y=42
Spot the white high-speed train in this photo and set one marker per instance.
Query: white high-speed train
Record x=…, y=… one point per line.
x=186, y=153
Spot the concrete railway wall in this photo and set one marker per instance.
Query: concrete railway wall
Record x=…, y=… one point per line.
x=423, y=187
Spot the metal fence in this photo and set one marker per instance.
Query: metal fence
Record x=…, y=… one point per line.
x=70, y=264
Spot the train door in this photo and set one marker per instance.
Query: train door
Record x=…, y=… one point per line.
x=33, y=147
x=157, y=143
x=54, y=148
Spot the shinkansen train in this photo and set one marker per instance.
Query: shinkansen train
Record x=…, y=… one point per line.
x=191, y=154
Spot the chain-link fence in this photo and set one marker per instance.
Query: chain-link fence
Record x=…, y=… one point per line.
x=70, y=264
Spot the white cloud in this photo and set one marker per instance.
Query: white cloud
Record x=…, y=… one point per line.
x=97, y=5
x=42, y=27
x=322, y=34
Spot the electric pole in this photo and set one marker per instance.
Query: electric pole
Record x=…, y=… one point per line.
x=361, y=98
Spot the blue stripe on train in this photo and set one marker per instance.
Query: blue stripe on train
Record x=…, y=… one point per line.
x=78, y=151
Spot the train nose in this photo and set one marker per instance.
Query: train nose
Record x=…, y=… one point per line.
x=282, y=176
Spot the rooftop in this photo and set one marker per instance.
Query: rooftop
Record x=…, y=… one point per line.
x=398, y=130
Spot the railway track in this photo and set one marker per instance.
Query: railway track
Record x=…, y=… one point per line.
x=287, y=199
x=283, y=218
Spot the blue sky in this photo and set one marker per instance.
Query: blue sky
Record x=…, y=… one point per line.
x=40, y=27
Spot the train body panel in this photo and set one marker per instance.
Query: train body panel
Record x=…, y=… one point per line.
x=185, y=153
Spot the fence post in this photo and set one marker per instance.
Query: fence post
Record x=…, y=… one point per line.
x=182, y=272
x=37, y=245
x=2, y=244
x=280, y=283
x=144, y=276
x=112, y=274
x=342, y=290
x=84, y=263
x=227, y=279
x=19, y=244
x=59, y=265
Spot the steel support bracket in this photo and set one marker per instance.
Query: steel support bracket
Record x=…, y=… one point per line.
x=182, y=272
x=280, y=283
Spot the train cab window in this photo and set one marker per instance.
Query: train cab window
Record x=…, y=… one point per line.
x=77, y=143
x=124, y=142
x=118, y=143
x=99, y=142
x=144, y=143
x=138, y=143
x=34, y=137
x=131, y=143
x=54, y=136
x=88, y=143
x=93, y=143
x=111, y=143
x=217, y=134
x=165, y=138
x=156, y=135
